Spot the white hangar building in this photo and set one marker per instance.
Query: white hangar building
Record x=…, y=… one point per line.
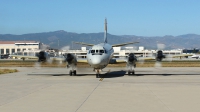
x=9, y=47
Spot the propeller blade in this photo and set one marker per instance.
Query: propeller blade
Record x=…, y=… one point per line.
x=160, y=46
x=37, y=65
x=158, y=64
x=169, y=58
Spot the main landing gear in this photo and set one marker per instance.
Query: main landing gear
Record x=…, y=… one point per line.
x=131, y=72
x=72, y=72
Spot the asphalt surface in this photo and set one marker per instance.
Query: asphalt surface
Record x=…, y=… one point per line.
x=158, y=89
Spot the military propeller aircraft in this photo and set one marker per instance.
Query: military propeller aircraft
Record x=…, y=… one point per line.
x=98, y=56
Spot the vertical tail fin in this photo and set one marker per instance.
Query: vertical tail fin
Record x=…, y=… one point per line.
x=105, y=32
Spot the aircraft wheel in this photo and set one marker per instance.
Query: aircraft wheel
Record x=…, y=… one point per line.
x=97, y=75
x=74, y=72
x=133, y=72
x=70, y=72
x=129, y=72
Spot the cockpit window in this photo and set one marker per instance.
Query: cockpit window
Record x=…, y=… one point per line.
x=97, y=52
x=92, y=51
x=101, y=51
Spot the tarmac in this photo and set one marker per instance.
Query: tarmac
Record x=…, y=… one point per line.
x=152, y=89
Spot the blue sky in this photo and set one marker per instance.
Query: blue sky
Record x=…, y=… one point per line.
x=125, y=17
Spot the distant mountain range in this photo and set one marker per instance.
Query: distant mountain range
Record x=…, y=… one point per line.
x=59, y=39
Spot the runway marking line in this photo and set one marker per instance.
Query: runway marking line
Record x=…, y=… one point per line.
x=101, y=79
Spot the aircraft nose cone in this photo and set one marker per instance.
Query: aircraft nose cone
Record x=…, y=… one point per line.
x=96, y=61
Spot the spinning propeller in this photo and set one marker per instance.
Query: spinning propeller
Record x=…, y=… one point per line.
x=160, y=56
x=131, y=57
x=43, y=56
x=69, y=57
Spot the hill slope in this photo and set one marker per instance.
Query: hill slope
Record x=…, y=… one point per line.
x=65, y=39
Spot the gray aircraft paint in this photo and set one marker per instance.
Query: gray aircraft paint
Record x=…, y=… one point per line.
x=99, y=60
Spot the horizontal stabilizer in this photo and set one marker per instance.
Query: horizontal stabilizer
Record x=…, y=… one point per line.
x=84, y=43
x=123, y=44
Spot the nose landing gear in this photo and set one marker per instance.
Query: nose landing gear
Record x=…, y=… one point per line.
x=98, y=73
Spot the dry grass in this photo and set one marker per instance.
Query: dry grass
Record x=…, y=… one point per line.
x=144, y=64
x=170, y=64
x=163, y=64
x=30, y=64
x=5, y=71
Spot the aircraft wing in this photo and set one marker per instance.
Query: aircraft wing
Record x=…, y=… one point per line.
x=145, y=58
x=22, y=56
x=181, y=55
x=57, y=58
x=123, y=44
x=167, y=56
x=118, y=60
x=82, y=43
x=82, y=60
x=121, y=61
x=124, y=60
x=35, y=57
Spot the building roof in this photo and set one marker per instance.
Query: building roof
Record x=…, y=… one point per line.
x=13, y=42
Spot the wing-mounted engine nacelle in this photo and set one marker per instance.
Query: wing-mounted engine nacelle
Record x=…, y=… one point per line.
x=70, y=58
x=132, y=58
x=42, y=56
x=160, y=56
x=131, y=62
x=71, y=63
x=112, y=61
